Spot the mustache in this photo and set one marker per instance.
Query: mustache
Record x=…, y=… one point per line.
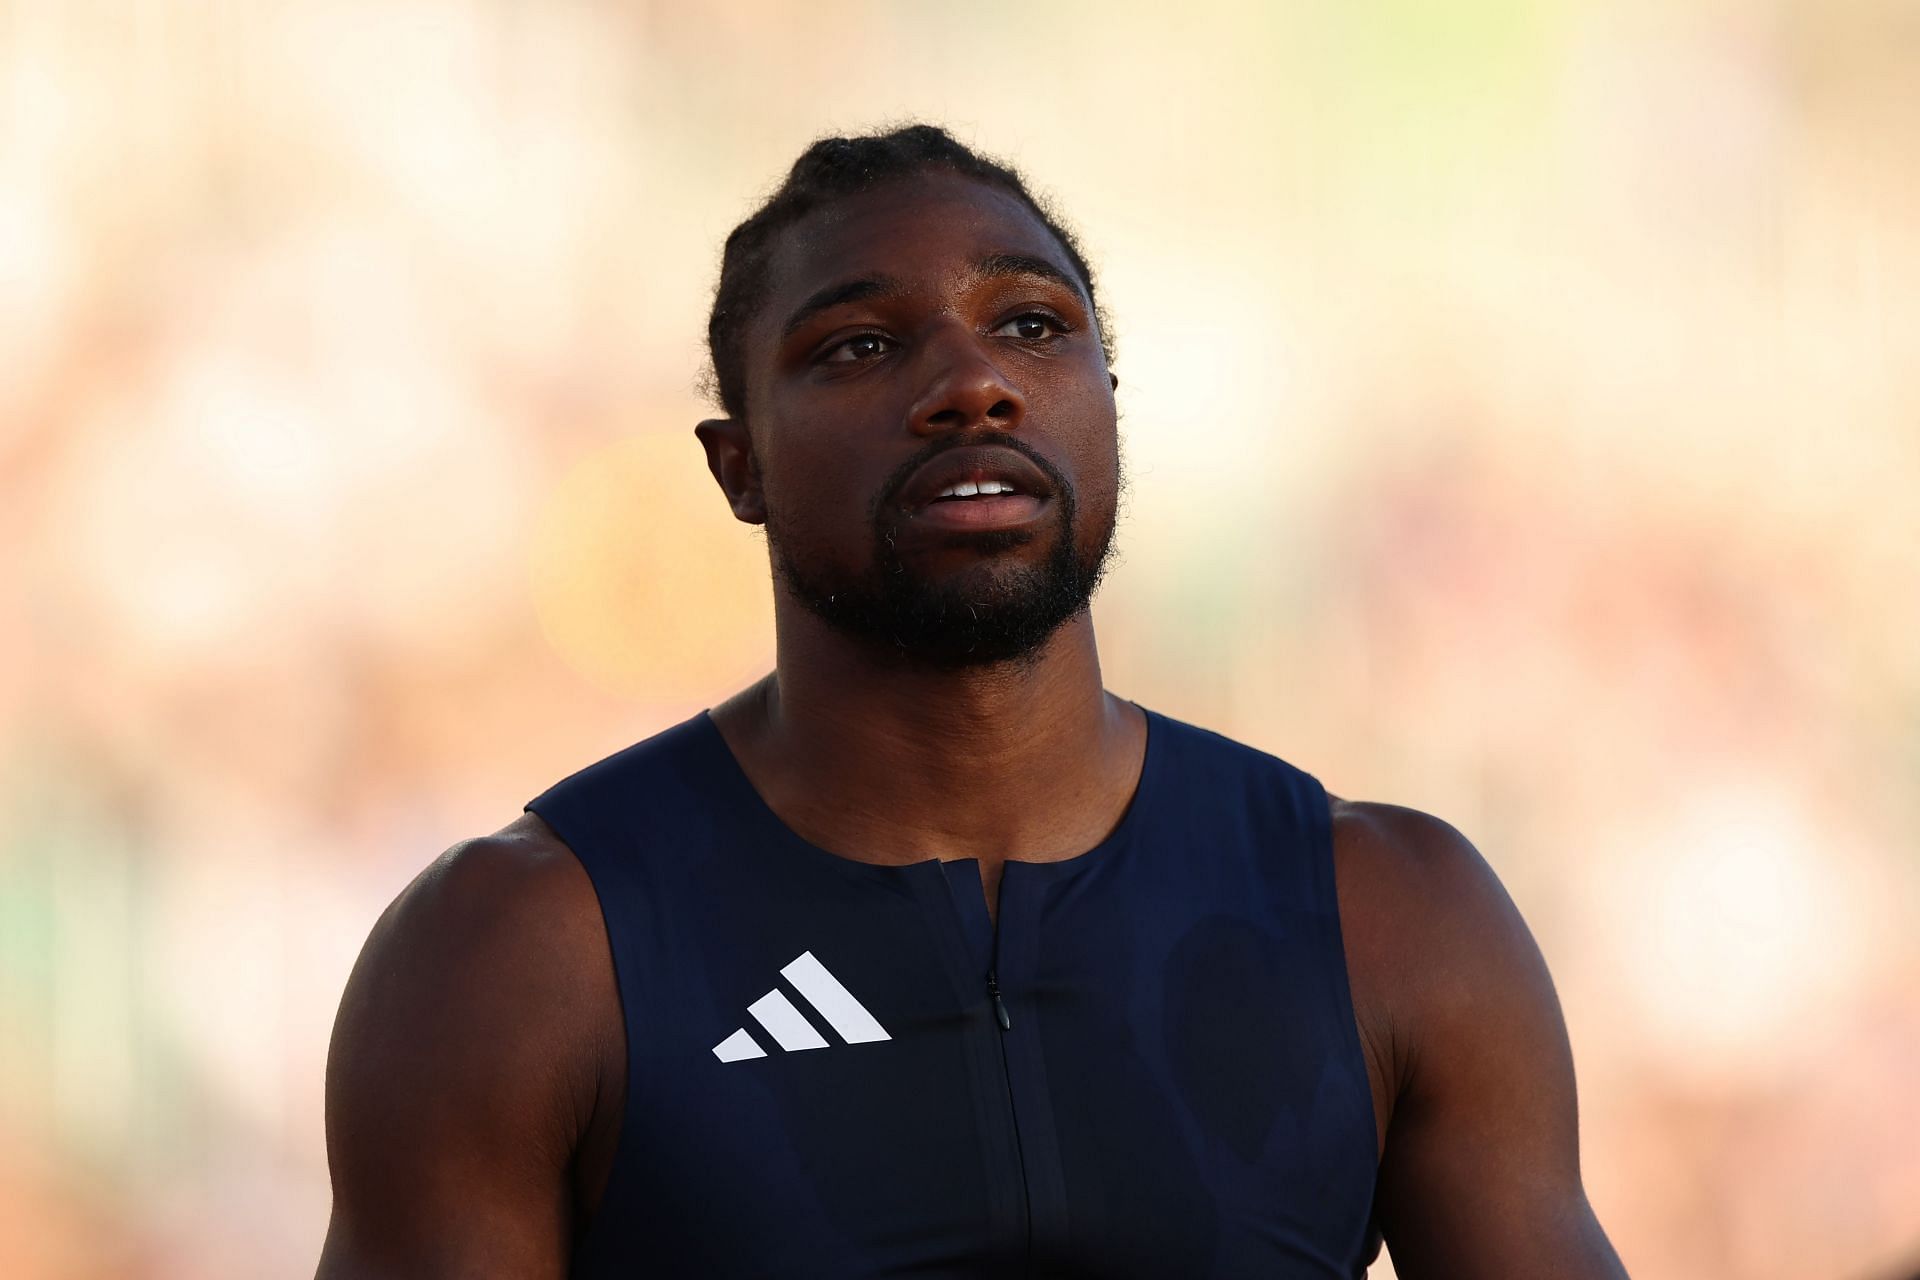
x=888, y=494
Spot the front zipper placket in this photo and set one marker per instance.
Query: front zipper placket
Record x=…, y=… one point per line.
x=993, y=966
x=1005, y=1024
x=956, y=914
x=999, y=1006
x=1018, y=1009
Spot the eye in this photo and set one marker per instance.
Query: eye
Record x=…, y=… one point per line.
x=861, y=346
x=1034, y=326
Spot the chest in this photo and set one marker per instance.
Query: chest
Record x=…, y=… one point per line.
x=1133, y=1071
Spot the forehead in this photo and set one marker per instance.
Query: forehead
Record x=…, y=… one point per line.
x=924, y=229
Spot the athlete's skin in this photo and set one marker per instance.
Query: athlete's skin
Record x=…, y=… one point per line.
x=478, y=1067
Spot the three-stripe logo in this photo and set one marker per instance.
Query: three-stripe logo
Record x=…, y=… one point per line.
x=790, y=1028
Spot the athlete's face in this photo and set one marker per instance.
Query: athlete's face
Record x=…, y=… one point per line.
x=927, y=332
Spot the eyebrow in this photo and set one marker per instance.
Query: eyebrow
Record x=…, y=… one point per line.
x=838, y=295
x=993, y=266
x=1021, y=264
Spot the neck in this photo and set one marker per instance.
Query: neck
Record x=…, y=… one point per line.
x=891, y=762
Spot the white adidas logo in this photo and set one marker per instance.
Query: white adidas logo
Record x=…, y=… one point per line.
x=790, y=1028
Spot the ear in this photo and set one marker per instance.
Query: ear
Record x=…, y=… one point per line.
x=730, y=458
x=1115, y=379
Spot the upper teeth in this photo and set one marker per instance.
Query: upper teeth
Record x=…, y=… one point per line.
x=967, y=488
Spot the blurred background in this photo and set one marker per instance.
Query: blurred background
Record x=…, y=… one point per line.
x=1522, y=402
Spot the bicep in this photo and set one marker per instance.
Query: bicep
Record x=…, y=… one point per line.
x=455, y=1080
x=1481, y=1173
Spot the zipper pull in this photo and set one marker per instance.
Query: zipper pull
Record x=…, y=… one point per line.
x=999, y=1007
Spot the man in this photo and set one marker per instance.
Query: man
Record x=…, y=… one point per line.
x=925, y=955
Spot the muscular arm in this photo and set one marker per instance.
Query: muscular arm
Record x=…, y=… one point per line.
x=467, y=1064
x=1480, y=1176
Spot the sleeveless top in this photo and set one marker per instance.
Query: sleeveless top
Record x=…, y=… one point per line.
x=1150, y=1068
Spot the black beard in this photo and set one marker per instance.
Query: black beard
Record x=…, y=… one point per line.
x=965, y=622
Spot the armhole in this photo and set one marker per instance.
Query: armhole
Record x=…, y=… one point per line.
x=1317, y=818
x=589, y=1244
x=1318, y=824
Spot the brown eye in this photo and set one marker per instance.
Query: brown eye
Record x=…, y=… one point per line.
x=1033, y=326
x=862, y=346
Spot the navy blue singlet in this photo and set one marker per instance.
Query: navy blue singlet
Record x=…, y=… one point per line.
x=1149, y=1069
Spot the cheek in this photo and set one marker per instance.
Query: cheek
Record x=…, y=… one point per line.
x=813, y=497
x=1099, y=498
x=1095, y=451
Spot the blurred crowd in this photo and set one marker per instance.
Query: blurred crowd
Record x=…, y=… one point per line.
x=1521, y=400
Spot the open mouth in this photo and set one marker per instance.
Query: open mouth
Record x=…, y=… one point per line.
x=967, y=489
x=994, y=509
x=970, y=477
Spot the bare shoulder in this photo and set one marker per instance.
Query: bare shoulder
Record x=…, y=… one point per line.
x=522, y=875
x=499, y=938
x=1472, y=1069
x=1418, y=874
x=514, y=912
x=1416, y=842
x=474, y=1055
x=1434, y=943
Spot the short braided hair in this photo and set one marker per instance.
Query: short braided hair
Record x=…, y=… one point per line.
x=828, y=170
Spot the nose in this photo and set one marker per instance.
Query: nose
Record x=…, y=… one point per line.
x=964, y=387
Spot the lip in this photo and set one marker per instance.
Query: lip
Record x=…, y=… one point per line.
x=999, y=511
x=976, y=463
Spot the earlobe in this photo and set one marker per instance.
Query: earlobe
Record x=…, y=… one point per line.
x=735, y=469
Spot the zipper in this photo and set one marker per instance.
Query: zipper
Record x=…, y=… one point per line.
x=999, y=1006
x=1013, y=1110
